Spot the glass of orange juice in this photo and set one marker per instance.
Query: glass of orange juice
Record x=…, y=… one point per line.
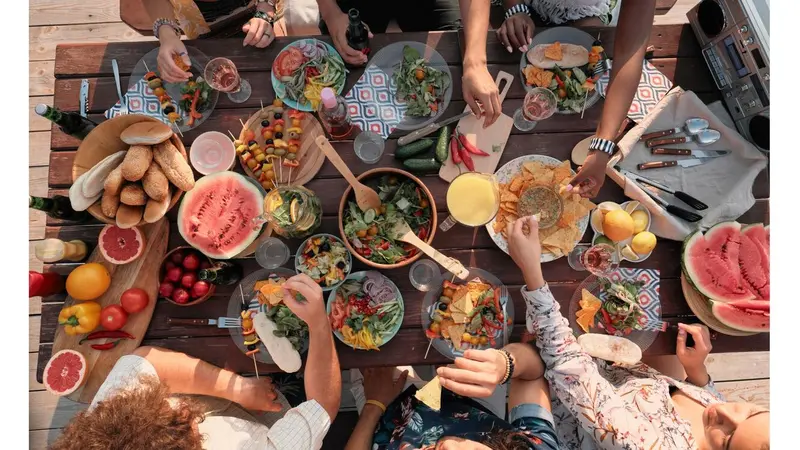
x=473, y=200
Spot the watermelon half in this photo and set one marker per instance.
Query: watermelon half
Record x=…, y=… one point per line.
x=64, y=373
x=711, y=263
x=749, y=315
x=216, y=216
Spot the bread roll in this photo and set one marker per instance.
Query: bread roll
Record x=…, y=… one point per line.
x=610, y=348
x=174, y=165
x=133, y=194
x=136, y=162
x=572, y=56
x=110, y=204
x=129, y=216
x=77, y=199
x=96, y=176
x=146, y=133
x=113, y=183
x=155, y=183
x=155, y=210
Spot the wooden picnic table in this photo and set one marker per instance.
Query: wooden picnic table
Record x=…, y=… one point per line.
x=676, y=54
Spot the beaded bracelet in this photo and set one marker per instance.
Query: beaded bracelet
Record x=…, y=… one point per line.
x=164, y=21
x=509, y=367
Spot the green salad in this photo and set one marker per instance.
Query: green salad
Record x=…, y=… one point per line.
x=570, y=88
x=621, y=313
x=419, y=85
x=371, y=232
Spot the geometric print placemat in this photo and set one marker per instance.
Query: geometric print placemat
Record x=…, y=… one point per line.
x=372, y=103
x=653, y=86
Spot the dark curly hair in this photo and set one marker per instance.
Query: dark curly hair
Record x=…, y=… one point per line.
x=136, y=419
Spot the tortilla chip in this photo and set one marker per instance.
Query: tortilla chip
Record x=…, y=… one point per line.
x=456, y=331
x=554, y=51
x=533, y=166
x=516, y=185
x=589, y=300
x=499, y=225
x=562, y=172
x=509, y=207
x=508, y=197
x=431, y=394
x=543, y=178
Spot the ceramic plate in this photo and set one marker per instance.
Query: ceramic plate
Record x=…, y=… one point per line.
x=280, y=88
x=622, y=244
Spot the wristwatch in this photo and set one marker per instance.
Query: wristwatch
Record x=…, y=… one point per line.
x=516, y=9
x=602, y=145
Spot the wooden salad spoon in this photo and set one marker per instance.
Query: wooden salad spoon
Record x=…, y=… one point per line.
x=402, y=232
x=366, y=197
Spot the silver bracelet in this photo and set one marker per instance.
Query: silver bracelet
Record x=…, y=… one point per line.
x=602, y=145
x=516, y=9
x=164, y=21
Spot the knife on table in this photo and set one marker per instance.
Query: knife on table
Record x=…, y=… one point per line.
x=690, y=162
x=680, y=195
x=672, y=209
x=84, y=97
x=424, y=131
x=688, y=152
x=115, y=68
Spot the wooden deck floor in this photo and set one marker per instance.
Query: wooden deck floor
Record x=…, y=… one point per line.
x=740, y=376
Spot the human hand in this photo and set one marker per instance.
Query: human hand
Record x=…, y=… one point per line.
x=171, y=45
x=259, y=33
x=516, y=32
x=312, y=310
x=479, y=88
x=337, y=27
x=590, y=176
x=457, y=443
x=693, y=359
x=525, y=249
x=380, y=385
x=476, y=374
x=257, y=394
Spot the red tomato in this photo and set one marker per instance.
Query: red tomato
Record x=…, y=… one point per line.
x=134, y=300
x=287, y=62
x=113, y=317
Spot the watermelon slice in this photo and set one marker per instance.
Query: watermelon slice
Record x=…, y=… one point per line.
x=754, y=267
x=216, y=216
x=711, y=263
x=64, y=373
x=760, y=235
x=742, y=318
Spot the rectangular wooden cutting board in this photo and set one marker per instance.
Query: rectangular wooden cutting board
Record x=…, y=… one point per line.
x=141, y=273
x=486, y=139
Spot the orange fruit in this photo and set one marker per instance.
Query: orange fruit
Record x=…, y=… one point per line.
x=618, y=225
x=87, y=282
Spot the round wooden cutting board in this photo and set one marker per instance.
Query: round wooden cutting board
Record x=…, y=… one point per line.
x=699, y=306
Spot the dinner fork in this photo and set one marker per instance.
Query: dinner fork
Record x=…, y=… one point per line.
x=123, y=105
x=504, y=294
x=222, y=322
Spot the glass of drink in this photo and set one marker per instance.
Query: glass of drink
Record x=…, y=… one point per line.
x=599, y=259
x=369, y=147
x=539, y=104
x=473, y=200
x=272, y=253
x=212, y=152
x=221, y=74
x=424, y=274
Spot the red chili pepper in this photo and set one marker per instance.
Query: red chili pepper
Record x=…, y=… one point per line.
x=111, y=334
x=467, y=159
x=606, y=317
x=498, y=308
x=107, y=345
x=468, y=145
x=489, y=325
x=454, y=151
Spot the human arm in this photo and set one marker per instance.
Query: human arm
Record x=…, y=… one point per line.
x=630, y=44
x=516, y=32
x=336, y=20
x=169, y=40
x=184, y=374
x=476, y=82
x=259, y=32
x=323, y=379
x=379, y=385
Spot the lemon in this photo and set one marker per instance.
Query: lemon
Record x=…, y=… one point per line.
x=640, y=221
x=294, y=210
x=608, y=206
x=628, y=253
x=597, y=220
x=643, y=243
x=631, y=206
x=618, y=225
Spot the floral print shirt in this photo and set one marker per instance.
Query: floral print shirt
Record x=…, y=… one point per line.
x=597, y=404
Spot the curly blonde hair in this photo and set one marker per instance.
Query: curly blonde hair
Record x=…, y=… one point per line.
x=140, y=419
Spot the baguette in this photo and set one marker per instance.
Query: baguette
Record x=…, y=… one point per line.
x=136, y=162
x=77, y=199
x=133, y=195
x=110, y=204
x=95, y=177
x=174, y=165
x=146, y=133
x=129, y=216
x=155, y=183
x=155, y=210
x=113, y=183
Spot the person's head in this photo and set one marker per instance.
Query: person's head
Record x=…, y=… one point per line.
x=142, y=418
x=736, y=426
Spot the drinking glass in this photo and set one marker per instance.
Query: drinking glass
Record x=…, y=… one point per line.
x=475, y=201
x=369, y=147
x=539, y=104
x=599, y=259
x=272, y=253
x=221, y=74
x=424, y=275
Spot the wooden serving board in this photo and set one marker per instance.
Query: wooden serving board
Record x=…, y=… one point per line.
x=484, y=138
x=142, y=273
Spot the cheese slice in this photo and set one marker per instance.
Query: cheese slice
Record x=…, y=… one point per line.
x=431, y=394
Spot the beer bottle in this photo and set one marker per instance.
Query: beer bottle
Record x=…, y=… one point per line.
x=58, y=207
x=70, y=123
x=357, y=34
x=223, y=273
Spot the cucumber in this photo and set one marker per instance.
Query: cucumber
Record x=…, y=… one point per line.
x=421, y=165
x=413, y=148
x=441, y=145
x=369, y=215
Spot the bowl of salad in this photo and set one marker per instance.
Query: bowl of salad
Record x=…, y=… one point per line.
x=325, y=259
x=369, y=236
x=366, y=311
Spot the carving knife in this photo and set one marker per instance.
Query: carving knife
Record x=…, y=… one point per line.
x=689, y=162
x=84, y=97
x=424, y=131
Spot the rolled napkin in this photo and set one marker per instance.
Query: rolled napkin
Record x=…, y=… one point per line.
x=725, y=184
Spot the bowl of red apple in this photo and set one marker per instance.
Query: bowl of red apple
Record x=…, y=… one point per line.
x=178, y=280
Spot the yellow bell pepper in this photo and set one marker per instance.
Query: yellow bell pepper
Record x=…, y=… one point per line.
x=80, y=318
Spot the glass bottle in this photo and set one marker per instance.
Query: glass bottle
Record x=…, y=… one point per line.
x=55, y=250
x=222, y=273
x=357, y=34
x=70, y=123
x=334, y=114
x=58, y=207
x=295, y=212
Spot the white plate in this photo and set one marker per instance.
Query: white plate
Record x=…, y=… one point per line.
x=504, y=175
x=627, y=241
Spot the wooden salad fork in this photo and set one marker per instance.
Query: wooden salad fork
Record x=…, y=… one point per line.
x=403, y=232
x=366, y=197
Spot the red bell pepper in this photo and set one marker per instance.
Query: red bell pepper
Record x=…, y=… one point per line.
x=560, y=83
x=430, y=334
x=468, y=145
x=193, y=108
x=290, y=163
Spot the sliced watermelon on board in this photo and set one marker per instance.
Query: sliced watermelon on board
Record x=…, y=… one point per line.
x=751, y=316
x=216, y=216
x=760, y=235
x=754, y=267
x=711, y=263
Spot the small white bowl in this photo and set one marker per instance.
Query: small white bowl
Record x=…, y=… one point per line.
x=622, y=244
x=212, y=152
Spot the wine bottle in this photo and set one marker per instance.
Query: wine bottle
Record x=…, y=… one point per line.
x=70, y=123
x=58, y=207
x=357, y=34
x=223, y=273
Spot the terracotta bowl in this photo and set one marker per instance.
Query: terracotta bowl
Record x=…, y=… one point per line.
x=374, y=173
x=103, y=141
x=162, y=271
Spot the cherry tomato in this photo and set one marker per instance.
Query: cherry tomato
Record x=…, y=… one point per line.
x=113, y=317
x=424, y=203
x=373, y=230
x=361, y=233
x=419, y=74
x=134, y=300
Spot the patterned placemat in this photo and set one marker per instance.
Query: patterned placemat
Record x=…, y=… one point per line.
x=372, y=103
x=141, y=100
x=653, y=86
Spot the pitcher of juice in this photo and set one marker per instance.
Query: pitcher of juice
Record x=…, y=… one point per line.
x=473, y=200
